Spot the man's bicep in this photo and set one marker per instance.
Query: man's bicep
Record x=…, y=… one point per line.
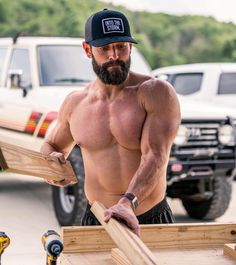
x=160, y=129
x=163, y=118
x=60, y=138
x=158, y=135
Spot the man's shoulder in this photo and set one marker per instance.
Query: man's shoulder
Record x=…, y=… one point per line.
x=138, y=78
x=76, y=96
x=154, y=88
x=147, y=82
x=73, y=99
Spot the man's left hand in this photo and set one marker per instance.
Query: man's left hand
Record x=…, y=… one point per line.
x=124, y=212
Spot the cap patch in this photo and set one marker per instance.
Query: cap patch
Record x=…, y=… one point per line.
x=111, y=25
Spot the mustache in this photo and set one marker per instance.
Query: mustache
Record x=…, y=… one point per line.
x=113, y=63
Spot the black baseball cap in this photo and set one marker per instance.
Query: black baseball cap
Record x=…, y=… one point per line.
x=107, y=26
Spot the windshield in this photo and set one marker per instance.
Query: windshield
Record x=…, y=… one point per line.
x=62, y=65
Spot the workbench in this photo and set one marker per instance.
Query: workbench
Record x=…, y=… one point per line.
x=113, y=243
x=170, y=244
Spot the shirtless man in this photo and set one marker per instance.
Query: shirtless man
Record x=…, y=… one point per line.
x=124, y=123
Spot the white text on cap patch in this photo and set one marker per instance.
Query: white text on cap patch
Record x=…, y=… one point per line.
x=110, y=25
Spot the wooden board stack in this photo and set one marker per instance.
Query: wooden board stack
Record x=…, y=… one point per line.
x=170, y=244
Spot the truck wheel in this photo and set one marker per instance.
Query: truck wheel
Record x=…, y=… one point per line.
x=215, y=206
x=69, y=202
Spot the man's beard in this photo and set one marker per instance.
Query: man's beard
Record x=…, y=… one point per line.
x=115, y=76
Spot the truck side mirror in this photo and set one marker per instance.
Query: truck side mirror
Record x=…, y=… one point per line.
x=15, y=77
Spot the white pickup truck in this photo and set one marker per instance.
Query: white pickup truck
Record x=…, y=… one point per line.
x=36, y=74
x=211, y=82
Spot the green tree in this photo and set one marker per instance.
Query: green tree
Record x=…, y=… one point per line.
x=163, y=39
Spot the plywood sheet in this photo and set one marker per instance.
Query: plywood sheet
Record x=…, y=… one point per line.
x=181, y=256
x=96, y=258
x=230, y=250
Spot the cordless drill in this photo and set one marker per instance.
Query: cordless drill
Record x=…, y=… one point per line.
x=53, y=245
x=4, y=243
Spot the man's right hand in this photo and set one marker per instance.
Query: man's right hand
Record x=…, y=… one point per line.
x=60, y=157
x=62, y=160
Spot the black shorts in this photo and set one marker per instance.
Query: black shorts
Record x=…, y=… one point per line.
x=159, y=214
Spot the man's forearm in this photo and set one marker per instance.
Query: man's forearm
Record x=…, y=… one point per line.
x=147, y=176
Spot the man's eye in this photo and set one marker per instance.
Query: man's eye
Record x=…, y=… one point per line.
x=104, y=48
x=122, y=46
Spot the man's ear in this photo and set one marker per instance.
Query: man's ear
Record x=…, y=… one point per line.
x=87, y=49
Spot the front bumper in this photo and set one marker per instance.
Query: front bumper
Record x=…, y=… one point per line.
x=187, y=165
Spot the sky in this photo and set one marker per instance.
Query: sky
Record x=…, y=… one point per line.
x=222, y=10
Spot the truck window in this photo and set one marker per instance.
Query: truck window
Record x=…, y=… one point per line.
x=3, y=52
x=20, y=61
x=62, y=65
x=186, y=84
x=227, y=84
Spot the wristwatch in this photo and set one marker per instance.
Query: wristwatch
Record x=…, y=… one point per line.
x=133, y=199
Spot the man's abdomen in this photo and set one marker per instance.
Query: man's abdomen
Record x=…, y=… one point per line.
x=108, y=174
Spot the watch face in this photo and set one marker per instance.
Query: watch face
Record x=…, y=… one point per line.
x=135, y=202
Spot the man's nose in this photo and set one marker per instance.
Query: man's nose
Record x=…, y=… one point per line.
x=113, y=54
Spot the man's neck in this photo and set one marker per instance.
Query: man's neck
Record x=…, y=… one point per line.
x=109, y=91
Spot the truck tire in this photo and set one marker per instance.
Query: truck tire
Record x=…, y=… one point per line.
x=215, y=206
x=70, y=202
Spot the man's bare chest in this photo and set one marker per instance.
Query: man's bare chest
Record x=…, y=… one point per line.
x=99, y=125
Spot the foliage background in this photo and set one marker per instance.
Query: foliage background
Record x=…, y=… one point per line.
x=163, y=39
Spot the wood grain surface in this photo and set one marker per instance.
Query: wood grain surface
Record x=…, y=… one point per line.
x=95, y=238
x=27, y=162
x=133, y=247
x=181, y=256
x=171, y=244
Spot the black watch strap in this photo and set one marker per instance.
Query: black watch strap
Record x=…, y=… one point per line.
x=133, y=199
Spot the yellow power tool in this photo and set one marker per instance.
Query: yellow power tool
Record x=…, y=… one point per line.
x=53, y=245
x=4, y=243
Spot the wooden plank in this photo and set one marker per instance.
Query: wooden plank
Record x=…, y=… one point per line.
x=191, y=235
x=137, y=252
x=95, y=258
x=3, y=163
x=95, y=238
x=27, y=162
x=79, y=239
x=64, y=259
x=101, y=258
x=181, y=256
x=119, y=257
x=230, y=250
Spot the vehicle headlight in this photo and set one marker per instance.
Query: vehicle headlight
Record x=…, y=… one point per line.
x=182, y=135
x=226, y=135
